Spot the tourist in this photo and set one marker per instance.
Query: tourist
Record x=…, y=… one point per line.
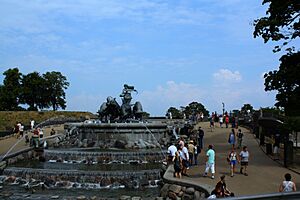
x=233, y=160
x=22, y=130
x=26, y=138
x=184, y=154
x=276, y=146
x=196, y=153
x=233, y=122
x=210, y=162
x=240, y=136
x=181, y=143
x=212, y=121
x=191, y=150
x=32, y=124
x=177, y=164
x=231, y=138
x=17, y=130
x=200, y=137
x=171, y=153
x=222, y=188
x=244, y=156
x=226, y=120
x=53, y=132
x=287, y=185
x=221, y=121
x=35, y=138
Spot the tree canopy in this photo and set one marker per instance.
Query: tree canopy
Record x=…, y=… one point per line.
x=282, y=23
x=192, y=108
x=10, y=90
x=176, y=114
x=56, y=84
x=245, y=108
x=35, y=90
x=286, y=81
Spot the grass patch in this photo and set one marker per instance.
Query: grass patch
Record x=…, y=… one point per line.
x=8, y=119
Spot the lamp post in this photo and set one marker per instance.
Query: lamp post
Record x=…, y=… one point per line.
x=223, y=104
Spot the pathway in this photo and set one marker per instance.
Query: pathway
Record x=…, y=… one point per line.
x=265, y=175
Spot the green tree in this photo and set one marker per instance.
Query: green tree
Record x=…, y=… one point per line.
x=194, y=108
x=55, y=84
x=176, y=114
x=34, y=91
x=286, y=81
x=282, y=23
x=247, y=107
x=10, y=90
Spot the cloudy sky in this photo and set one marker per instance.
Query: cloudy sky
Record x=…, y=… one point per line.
x=173, y=52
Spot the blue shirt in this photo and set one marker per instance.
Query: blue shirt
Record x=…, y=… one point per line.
x=211, y=156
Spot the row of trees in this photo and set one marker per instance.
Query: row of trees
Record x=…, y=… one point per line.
x=34, y=90
x=190, y=110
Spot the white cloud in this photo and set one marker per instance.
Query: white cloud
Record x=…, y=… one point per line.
x=172, y=94
x=227, y=76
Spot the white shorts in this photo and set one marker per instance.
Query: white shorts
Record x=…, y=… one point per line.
x=211, y=167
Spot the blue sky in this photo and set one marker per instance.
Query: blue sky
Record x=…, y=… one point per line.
x=173, y=52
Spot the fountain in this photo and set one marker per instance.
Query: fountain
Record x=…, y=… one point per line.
x=118, y=150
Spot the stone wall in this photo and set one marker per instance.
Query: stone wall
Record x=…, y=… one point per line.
x=176, y=192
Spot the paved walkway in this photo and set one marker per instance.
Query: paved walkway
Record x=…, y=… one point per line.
x=265, y=175
x=7, y=143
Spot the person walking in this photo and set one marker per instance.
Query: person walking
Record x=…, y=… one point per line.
x=233, y=160
x=231, y=138
x=226, y=120
x=221, y=121
x=184, y=154
x=244, y=157
x=200, y=137
x=177, y=164
x=288, y=185
x=210, y=162
x=53, y=132
x=240, y=136
x=171, y=153
x=191, y=150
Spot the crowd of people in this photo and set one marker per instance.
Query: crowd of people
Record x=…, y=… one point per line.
x=185, y=154
x=37, y=133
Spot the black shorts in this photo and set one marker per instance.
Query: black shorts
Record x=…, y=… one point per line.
x=244, y=163
x=185, y=163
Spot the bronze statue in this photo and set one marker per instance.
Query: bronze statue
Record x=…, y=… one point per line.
x=110, y=110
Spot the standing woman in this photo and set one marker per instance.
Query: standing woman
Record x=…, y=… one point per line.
x=177, y=164
x=233, y=160
x=244, y=155
x=231, y=138
x=288, y=185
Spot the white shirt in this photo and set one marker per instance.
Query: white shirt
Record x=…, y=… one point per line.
x=244, y=156
x=287, y=186
x=184, y=154
x=172, y=150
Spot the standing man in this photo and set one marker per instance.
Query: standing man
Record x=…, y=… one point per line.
x=200, y=137
x=210, y=161
x=240, y=138
x=184, y=154
x=171, y=153
x=32, y=124
x=221, y=120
